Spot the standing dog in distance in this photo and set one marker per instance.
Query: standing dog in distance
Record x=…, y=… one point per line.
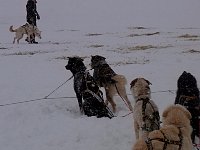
x=113, y=83
x=145, y=112
x=27, y=29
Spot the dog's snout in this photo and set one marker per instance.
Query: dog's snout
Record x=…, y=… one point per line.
x=66, y=67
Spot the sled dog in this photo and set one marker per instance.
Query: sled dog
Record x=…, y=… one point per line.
x=113, y=83
x=145, y=112
x=90, y=98
x=175, y=134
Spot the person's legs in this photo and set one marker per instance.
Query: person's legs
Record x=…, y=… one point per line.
x=33, y=39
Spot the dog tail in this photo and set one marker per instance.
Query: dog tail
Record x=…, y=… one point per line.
x=11, y=29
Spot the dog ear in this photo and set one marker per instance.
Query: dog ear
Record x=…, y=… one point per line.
x=185, y=111
x=92, y=57
x=188, y=114
x=184, y=72
x=79, y=58
x=98, y=57
x=167, y=110
x=133, y=82
x=75, y=57
x=148, y=81
x=103, y=57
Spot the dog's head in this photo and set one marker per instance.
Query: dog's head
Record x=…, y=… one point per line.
x=97, y=60
x=186, y=80
x=75, y=64
x=140, y=88
x=33, y=29
x=37, y=32
x=187, y=83
x=176, y=115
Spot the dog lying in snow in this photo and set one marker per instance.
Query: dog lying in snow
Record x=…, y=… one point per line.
x=112, y=82
x=145, y=112
x=173, y=135
x=188, y=95
x=27, y=29
x=87, y=90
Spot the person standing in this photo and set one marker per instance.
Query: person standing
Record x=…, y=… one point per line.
x=32, y=16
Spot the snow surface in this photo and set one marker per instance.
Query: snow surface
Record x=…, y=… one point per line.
x=84, y=28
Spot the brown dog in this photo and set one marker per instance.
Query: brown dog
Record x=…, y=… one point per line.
x=145, y=112
x=174, y=135
x=112, y=82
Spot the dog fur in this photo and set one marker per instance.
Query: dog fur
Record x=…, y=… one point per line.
x=174, y=134
x=90, y=98
x=113, y=83
x=27, y=29
x=188, y=95
x=145, y=111
x=140, y=88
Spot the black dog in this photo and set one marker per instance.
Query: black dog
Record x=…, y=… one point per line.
x=87, y=90
x=188, y=95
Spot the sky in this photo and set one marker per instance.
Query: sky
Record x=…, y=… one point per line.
x=166, y=45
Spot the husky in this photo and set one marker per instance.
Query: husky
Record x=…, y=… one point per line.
x=145, y=112
x=27, y=29
x=112, y=82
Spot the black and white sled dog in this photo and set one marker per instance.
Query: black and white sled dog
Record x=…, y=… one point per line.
x=90, y=98
x=188, y=95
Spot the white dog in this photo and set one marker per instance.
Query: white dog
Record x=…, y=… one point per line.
x=145, y=111
x=25, y=29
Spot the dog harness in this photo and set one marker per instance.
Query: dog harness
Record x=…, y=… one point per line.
x=103, y=74
x=165, y=141
x=24, y=26
x=95, y=92
x=153, y=118
x=188, y=98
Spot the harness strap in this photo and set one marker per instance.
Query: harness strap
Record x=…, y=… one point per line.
x=152, y=118
x=181, y=138
x=188, y=98
x=100, y=100
x=98, y=95
x=24, y=26
x=165, y=141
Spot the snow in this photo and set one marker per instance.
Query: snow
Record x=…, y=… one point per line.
x=84, y=28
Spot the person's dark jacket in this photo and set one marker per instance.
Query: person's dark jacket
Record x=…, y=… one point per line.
x=32, y=13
